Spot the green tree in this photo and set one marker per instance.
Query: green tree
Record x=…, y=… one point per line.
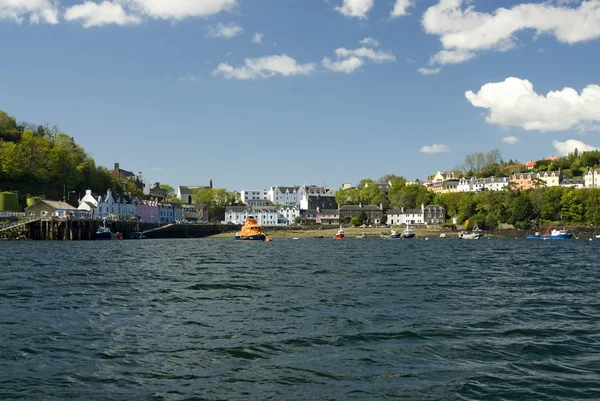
x=297, y=220
x=371, y=195
x=572, y=209
x=355, y=221
x=347, y=197
x=521, y=211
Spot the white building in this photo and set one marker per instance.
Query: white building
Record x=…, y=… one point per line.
x=403, y=216
x=472, y=184
x=265, y=215
x=592, y=178
x=294, y=195
x=255, y=197
x=551, y=178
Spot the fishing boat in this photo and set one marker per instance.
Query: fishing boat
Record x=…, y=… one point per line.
x=552, y=234
x=363, y=235
x=251, y=231
x=392, y=235
x=339, y=234
x=408, y=233
x=442, y=235
x=104, y=232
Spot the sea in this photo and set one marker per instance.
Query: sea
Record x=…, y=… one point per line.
x=307, y=319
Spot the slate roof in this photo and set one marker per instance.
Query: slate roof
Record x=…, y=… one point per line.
x=59, y=205
x=358, y=207
x=190, y=188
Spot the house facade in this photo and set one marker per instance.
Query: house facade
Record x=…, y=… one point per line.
x=430, y=214
x=265, y=215
x=185, y=192
x=48, y=209
x=592, y=178
x=326, y=217
x=373, y=213
x=255, y=197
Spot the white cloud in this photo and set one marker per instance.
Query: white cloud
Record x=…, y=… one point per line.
x=400, y=8
x=349, y=60
x=224, y=31
x=568, y=146
x=429, y=71
x=347, y=65
x=356, y=8
x=257, y=38
x=370, y=42
x=511, y=140
x=180, y=9
x=435, y=148
x=37, y=10
x=514, y=103
x=463, y=31
x=265, y=67
x=93, y=14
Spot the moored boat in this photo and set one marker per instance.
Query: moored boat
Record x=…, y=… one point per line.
x=552, y=234
x=339, y=234
x=251, y=231
x=104, y=232
x=408, y=233
x=469, y=235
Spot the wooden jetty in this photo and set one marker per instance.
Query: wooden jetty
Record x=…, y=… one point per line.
x=66, y=229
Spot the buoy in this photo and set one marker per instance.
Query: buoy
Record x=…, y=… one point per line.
x=426, y=238
x=590, y=240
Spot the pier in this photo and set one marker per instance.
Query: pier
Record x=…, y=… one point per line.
x=56, y=229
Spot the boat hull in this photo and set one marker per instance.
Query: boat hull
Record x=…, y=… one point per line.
x=255, y=237
x=409, y=236
x=339, y=236
x=104, y=235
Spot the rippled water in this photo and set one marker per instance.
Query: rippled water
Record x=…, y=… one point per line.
x=365, y=319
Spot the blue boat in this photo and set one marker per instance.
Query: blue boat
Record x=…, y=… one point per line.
x=552, y=234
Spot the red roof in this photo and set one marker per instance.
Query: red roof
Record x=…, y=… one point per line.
x=530, y=163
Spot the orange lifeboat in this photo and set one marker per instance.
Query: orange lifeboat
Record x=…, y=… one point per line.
x=251, y=231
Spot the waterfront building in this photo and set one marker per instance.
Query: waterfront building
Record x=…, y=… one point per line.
x=550, y=178
x=373, y=213
x=442, y=183
x=326, y=217
x=48, y=208
x=430, y=214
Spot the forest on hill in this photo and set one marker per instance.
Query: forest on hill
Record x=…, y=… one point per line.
x=42, y=160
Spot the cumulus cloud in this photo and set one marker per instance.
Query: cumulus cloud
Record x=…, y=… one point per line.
x=264, y=67
x=429, y=71
x=511, y=140
x=464, y=32
x=180, y=9
x=37, y=11
x=568, y=146
x=257, y=38
x=349, y=60
x=435, y=148
x=514, y=103
x=93, y=14
x=356, y=8
x=370, y=42
x=223, y=31
x=127, y=12
x=400, y=8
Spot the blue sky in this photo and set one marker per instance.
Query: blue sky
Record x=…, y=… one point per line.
x=186, y=91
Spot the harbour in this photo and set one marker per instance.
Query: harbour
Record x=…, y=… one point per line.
x=174, y=319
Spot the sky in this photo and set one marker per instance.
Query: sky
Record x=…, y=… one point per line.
x=254, y=94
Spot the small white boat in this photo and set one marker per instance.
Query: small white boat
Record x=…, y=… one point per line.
x=363, y=235
x=442, y=235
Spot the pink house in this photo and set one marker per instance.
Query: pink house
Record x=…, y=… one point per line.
x=147, y=211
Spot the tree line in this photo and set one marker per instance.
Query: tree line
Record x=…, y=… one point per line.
x=42, y=160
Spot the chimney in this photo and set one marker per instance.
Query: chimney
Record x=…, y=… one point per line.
x=117, y=166
x=381, y=206
x=211, y=182
x=359, y=204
